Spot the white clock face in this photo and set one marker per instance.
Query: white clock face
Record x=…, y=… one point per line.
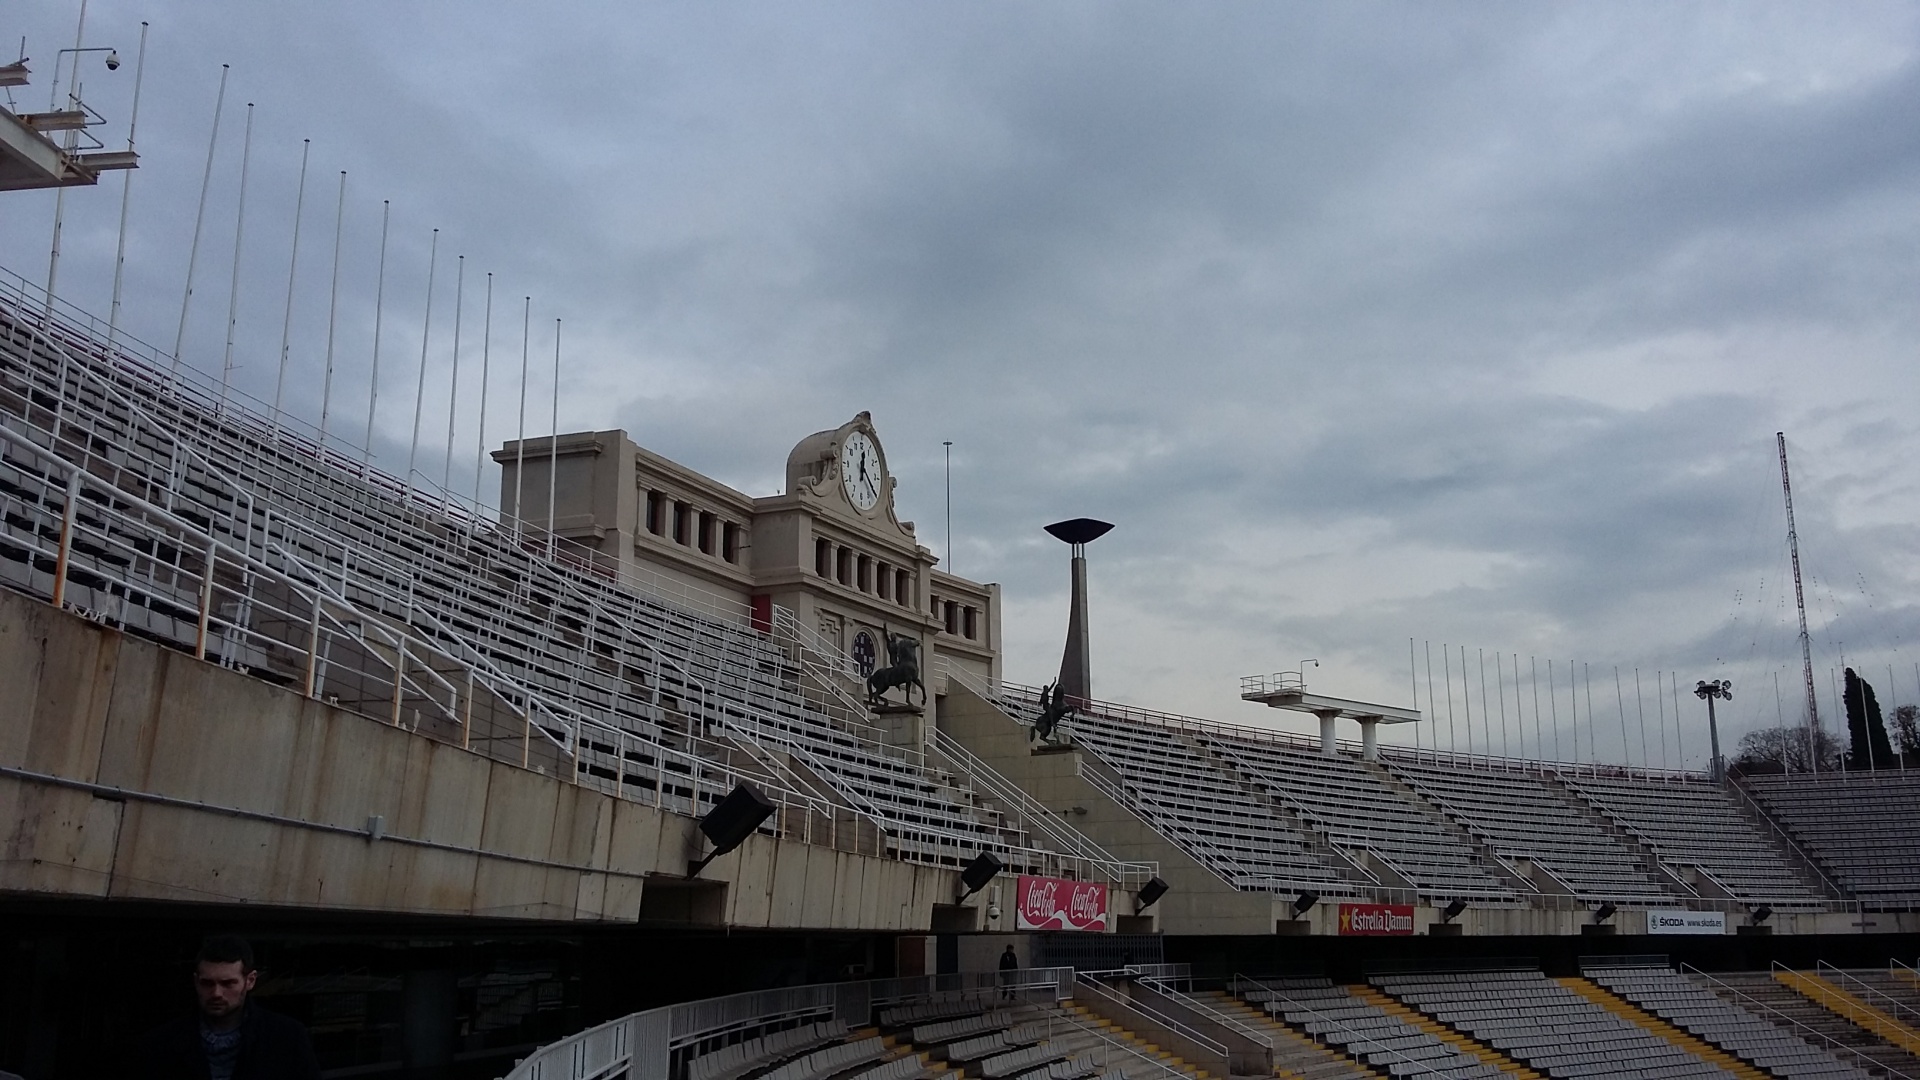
x=860, y=470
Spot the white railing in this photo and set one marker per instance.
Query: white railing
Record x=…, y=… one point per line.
x=1741, y=999
x=1030, y=816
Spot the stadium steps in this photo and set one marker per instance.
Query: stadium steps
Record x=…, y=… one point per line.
x=1850, y=1007
x=1784, y=1005
x=1900, y=984
x=1633, y=1014
x=1295, y=1054
x=1465, y=1045
x=1647, y=860
x=1475, y=842
x=1085, y=1016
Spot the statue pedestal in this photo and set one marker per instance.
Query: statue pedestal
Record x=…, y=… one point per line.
x=901, y=725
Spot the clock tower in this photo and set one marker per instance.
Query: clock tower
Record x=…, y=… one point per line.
x=830, y=548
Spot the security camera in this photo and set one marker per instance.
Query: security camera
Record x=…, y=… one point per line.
x=993, y=911
x=113, y=61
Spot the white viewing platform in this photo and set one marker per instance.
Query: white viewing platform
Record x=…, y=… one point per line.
x=1288, y=690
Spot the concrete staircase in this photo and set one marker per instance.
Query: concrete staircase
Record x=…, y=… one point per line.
x=1634, y=1014
x=1789, y=1004
x=1852, y=1007
x=1106, y=1027
x=1469, y=1047
x=1295, y=1055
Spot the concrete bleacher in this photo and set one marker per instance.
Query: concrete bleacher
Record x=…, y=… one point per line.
x=1241, y=835
x=1842, y=821
x=1358, y=809
x=1330, y=1014
x=1538, y=1022
x=1527, y=819
x=1693, y=1008
x=1695, y=826
x=637, y=694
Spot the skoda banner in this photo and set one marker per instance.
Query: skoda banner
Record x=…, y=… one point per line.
x=1047, y=903
x=1686, y=922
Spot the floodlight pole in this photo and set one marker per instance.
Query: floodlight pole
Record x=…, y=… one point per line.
x=1710, y=692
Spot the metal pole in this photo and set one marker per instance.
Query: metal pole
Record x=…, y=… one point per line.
x=948, y=445
x=126, y=194
x=67, y=515
x=239, y=223
x=453, y=393
x=60, y=195
x=313, y=645
x=520, y=444
x=333, y=312
x=426, y=332
x=379, y=320
x=293, y=262
x=480, y=437
x=206, y=605
x=1800, y=604
x=199, y=218
x=553, y=452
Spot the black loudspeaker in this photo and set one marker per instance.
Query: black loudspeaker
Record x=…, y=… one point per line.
x=1149, y=894
x=1453, y=911
x=1304, y=901
x=1604, y=913
x=728, y=825
x=981, y=870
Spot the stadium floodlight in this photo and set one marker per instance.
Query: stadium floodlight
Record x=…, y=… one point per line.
x=1453, y=911
x=1762, y=914
x=1149, y=895
x=1709, y=692
x=1304, y=901
x=1604, y=912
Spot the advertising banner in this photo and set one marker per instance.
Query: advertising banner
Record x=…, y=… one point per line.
x=1686, y=922
x=1371, y=920
x=1046, y=903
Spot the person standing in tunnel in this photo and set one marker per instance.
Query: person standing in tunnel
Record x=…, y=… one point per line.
x=231, y=1038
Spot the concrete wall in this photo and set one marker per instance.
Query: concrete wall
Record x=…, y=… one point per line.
x=132, y=771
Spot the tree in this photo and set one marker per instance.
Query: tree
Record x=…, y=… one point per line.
x=1784, y=749
x=1906, y=731
x=1868, y=747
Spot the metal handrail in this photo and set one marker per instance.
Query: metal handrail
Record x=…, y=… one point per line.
x=1785, y=838
x=1085, y=980
x=1072, y=842
x=1911, y=1015
x=1779, y=1019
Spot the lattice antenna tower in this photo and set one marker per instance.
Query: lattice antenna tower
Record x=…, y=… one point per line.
x=1800, y=603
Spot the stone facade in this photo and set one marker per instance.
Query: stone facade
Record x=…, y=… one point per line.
x=850, y=573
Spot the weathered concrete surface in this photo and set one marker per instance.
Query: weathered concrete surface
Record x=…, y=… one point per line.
x=215, y=787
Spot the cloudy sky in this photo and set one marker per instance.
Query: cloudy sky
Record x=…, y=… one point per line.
x=1365, y=323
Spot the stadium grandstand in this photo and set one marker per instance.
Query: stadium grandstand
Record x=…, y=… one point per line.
x=647, y=778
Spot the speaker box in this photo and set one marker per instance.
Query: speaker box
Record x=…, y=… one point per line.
x=729, y=824
x=980, y=871
x=1150, y=894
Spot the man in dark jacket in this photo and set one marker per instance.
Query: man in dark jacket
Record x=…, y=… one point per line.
x=231, y=1038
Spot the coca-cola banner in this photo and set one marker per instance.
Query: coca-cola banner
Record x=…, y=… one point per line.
x=1049, y=903
x=1370, y=919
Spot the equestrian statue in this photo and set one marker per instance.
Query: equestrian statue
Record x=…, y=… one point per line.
x=1053, y=709
x=902, y=670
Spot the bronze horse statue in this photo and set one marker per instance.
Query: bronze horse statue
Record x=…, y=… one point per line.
x=1053, y=709
x=902, y=670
